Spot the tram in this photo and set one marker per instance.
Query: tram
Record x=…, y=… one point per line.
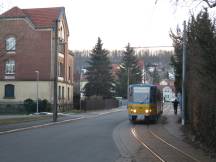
x=144, y=102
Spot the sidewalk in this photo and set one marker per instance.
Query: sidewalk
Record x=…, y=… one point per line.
x=28, y=120
x=173, y=126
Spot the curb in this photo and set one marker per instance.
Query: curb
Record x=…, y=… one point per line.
x=55, y=123
x=39, y=126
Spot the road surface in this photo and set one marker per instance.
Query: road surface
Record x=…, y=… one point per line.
x=100, y=138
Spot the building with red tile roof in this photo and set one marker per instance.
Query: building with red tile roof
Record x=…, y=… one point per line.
x=29, y=43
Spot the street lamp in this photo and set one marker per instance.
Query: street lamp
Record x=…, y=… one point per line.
x=37, y=73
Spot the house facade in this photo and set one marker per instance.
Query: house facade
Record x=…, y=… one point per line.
x=29, y=43
x=168, y=89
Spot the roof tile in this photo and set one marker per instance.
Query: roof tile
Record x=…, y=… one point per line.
x=40, y=17
x=13, y=12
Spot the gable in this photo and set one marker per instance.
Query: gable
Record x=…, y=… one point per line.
x=39, y=17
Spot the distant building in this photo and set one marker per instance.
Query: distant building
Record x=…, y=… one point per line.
x=142, y=67
x=115, y=70
x=168, y=89
x=83, y=81
x=28, y=44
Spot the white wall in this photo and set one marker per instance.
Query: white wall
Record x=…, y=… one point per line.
x=27, y=89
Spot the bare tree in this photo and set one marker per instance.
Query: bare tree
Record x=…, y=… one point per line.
x=210, y=3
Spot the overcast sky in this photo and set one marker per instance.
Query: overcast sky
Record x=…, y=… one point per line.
x=116, y=22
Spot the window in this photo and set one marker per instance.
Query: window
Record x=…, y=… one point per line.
x=69, y=73
x=61, y=46
x=10, y=67
x=62, y=92
x=60, y=69
x=141, y=94
x=9, y=91
x=59, y=92
x=10, y=44
x=153, y=95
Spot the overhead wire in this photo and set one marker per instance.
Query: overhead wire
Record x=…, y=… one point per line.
x=150, y=26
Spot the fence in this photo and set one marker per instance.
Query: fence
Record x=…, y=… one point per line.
x=12, y=108
x=98, y=103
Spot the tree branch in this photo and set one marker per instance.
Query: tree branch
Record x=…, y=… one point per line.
x=211, y=4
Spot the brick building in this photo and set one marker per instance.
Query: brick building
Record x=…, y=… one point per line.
x=27, y=51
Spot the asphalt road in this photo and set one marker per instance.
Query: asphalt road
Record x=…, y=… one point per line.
x=102, y=138
x=86, y=140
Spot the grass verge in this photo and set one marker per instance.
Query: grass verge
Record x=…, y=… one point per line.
x=24, y=119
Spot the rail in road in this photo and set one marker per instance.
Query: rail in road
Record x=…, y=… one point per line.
x=164, y=150
x=158, y=145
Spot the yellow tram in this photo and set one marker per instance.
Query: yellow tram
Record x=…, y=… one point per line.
x=144, y=102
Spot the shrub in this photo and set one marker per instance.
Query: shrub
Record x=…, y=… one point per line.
x=30, y=105
x=44, y=106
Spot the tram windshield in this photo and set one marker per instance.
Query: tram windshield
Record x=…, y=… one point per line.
x=141, y=94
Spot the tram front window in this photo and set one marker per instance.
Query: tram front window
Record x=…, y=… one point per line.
x=141, y=94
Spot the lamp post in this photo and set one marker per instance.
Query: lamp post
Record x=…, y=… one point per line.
x=183, y=74
x=37, y=73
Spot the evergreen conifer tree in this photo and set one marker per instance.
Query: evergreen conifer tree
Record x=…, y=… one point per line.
x=156, y=77
x=201, y=77
x=129, y=71
x=176, y=59
x=202, y=41
x=99, y=74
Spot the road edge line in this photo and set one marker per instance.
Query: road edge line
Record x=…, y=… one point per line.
x=39, y=126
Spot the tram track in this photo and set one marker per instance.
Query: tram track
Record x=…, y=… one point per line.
x=159, y=141
x=133, y=131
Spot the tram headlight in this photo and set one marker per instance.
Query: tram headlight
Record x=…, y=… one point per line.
x=147, y=111
x=133, y=110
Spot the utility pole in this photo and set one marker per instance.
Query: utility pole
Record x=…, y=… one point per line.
x=183, y=73
x=128, y=82
x=37, y=74
x=80, y=76
x=55, y=101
